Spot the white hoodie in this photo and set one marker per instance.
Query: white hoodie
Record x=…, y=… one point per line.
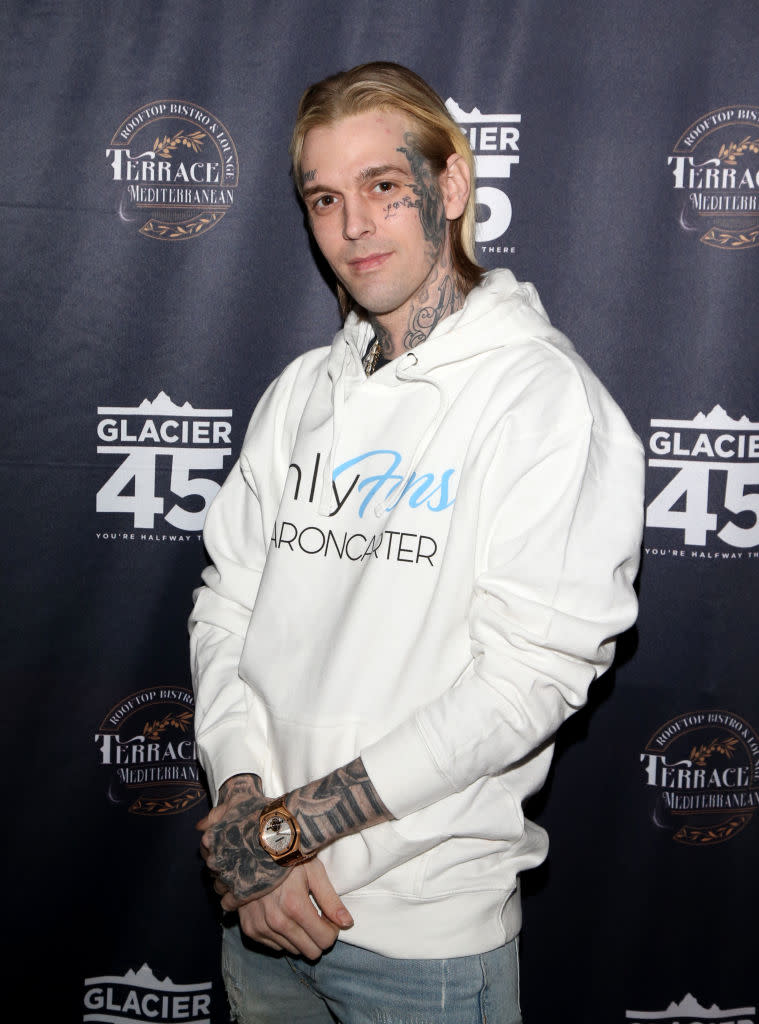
x=427, y=568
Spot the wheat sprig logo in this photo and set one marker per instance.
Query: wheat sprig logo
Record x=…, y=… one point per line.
x=700, y=755
x=154, y=730
x=714, y=168
x=729, y=154
x=165, y=147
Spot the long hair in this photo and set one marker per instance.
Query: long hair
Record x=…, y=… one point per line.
x=383, y=85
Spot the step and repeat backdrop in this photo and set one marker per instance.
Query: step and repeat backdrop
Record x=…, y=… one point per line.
x=157, y=274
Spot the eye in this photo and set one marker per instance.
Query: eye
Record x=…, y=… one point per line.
x=384, y=186
x=323, y=203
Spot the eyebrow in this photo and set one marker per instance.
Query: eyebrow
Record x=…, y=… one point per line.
x=369, y=173
x=363, y=176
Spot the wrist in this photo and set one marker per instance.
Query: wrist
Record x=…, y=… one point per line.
x=315, y=833
x=240, y=785
x=280, y=834
x=308, y=843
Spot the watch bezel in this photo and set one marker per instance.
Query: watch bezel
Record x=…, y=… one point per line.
x=278, y=809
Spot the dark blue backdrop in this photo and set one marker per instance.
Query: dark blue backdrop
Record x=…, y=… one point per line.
x=649, y=895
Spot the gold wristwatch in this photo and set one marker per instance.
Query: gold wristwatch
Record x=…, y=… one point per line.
x=279, y=835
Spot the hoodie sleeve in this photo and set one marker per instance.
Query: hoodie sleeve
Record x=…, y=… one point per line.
x=229, y=721
x=558, y=551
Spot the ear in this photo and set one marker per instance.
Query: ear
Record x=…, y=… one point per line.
x=455, y=183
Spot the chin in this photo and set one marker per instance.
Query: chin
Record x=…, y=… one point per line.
x=377, y=304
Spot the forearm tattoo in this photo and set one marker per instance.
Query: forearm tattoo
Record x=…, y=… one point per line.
x=343, y=802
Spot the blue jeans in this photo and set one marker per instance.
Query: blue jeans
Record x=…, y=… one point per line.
x=354, y=986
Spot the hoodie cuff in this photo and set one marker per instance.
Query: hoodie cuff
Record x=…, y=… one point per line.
x=403, y=771
x=227, y=755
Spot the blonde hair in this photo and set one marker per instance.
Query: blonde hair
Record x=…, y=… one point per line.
x=383, y=85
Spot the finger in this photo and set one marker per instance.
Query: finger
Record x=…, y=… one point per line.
x=212, y=818
x=296, y=939
x=289, y=916
x=284, y=948
x=292, y=914
x=231, y=902
x=325, y=895
x=254, y=925
x=209, y=820
x=206, y=840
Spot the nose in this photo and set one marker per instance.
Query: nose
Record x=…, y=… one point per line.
x=357, y=218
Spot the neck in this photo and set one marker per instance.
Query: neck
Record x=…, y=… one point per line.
x=409, y=326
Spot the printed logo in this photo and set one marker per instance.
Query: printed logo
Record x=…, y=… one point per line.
x=147, y=745
x=175, y=165
x=715, y=177
x=140, y=997
x=494, y=139
x=705, y=474
x=690, y=1011
x=702, y=769
x=372, y=480
x=153, y=449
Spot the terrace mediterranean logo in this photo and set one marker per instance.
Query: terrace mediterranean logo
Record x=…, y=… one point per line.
x=715, y=178
x=176, y=169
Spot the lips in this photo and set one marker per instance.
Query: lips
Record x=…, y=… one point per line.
x=364, y=264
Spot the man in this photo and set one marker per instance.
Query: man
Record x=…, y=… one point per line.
x=420, y=564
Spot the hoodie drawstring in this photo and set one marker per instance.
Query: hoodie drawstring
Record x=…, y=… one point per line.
x=410, y=360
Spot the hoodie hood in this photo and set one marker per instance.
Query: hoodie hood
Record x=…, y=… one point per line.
x=497, y=313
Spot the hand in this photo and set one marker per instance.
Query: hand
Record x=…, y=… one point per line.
x=229, y=844
x=287, y=919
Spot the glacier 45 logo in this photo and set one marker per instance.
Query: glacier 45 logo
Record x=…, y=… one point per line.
x=139, y=996
x=494, y=139
x=705, y=473
x=690, y=1010
x=159, y=448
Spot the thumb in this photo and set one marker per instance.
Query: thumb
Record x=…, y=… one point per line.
x=214, y=815
x=323, y=892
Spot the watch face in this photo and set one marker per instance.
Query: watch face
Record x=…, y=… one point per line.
x=278, y=834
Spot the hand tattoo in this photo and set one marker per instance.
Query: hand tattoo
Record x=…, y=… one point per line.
x=235, y=854
x=249, y=784
x=343, y=802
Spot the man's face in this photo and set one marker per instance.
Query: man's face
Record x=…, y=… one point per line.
x=376, y=211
